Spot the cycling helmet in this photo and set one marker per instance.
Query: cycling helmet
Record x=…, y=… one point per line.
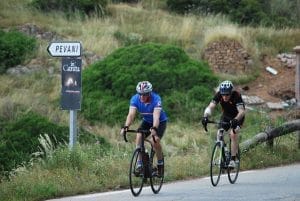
x=144, y=87
x=226, y=87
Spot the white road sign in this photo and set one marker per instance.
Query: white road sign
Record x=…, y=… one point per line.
x=64, y=49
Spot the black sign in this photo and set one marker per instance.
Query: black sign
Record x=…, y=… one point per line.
x=71, y=84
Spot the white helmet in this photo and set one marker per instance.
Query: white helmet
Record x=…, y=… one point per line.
x=144, y=87
x=226, y=87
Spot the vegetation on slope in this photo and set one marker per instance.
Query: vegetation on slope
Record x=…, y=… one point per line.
x=22, y=137
x=96, y=167
x=183, y=83
x=15, y=49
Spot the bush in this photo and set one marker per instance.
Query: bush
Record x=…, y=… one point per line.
x=188, y=6
x=276, y=13
x=84, y=7
x=19, y=139
x=125, y=1
x=109, y=84
x=15, y=48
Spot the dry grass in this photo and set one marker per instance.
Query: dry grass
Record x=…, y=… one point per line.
x=185, y=145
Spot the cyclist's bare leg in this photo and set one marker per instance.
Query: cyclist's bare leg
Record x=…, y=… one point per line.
x=158, y=149
x=138, y=142
x=234, y=142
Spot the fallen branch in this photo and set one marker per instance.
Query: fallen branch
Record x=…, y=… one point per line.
x=284, y=129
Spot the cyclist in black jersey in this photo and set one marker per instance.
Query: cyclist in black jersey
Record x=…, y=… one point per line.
x=233, y=111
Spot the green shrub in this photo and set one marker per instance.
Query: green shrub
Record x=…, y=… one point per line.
x=274, y=13
x=15, y=48
x=109, y=84
x=125, y=1
x=84, y=7
x=19, y=139
x=188, y=6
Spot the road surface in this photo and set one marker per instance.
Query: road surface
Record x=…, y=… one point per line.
x=271, y=184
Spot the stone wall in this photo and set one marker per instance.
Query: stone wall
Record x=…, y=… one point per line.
x=227, y=56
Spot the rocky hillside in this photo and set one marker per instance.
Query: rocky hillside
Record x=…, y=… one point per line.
x=273, y=91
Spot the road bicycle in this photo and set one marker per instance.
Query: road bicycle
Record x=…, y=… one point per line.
x=149, y=165
x=221, y=156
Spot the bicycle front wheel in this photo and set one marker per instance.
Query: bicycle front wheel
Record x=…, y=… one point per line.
x=136, y=177
x=216, y=164
x=234, y=172
x=156, y=180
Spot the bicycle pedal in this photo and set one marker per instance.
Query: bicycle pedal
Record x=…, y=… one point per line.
x=138, y=174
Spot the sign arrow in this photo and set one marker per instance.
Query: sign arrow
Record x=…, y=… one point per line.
x=64, y=49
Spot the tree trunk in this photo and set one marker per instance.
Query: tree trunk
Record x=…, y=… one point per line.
x=284, y=129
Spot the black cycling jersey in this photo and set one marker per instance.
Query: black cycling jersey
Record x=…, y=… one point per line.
x=229, y=108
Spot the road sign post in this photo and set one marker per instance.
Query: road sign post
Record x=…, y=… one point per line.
x=70, y=51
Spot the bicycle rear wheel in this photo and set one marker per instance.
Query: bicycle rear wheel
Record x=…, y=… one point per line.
x=216, y=164
x=234, y=172
x=136, y=179
x=155, y=180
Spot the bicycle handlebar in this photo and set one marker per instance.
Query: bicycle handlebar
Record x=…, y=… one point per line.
x=222, y=123
x=138, y=131
x=210, y=122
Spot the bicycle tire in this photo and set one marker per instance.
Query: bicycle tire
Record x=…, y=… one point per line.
x=216, y=164
x=136, y=180
x=155, y=181
x=234, y=173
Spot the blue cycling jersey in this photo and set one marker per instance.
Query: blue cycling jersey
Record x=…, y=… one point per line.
x=146, y=109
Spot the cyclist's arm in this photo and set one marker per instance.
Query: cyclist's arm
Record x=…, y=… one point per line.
x=156, y=115
x=208, y=110
x=130, y=116
x=241, y=110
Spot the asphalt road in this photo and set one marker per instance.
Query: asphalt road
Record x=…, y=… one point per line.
x=272, y=184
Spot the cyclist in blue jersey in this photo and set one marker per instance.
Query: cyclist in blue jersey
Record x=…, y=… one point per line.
x=233, y=109
x=149, y=105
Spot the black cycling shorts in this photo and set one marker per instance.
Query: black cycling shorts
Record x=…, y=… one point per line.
x=160, y=130
x=226, y=127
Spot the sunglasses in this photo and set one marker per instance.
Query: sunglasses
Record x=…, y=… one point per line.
x=225, y=94
x=145, y=94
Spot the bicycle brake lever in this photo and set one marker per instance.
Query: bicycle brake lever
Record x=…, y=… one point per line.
x=205, y=128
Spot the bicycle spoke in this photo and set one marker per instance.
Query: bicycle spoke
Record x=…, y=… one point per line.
x=155, y=180
x=135, y=178
x=216, y=164
x=234, y=172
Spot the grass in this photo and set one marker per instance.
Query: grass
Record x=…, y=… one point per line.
x=91, y=169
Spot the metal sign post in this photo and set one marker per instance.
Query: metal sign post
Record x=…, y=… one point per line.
x=297, y=84
x=73, y=128
x=71, y=93
x=70, y=80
